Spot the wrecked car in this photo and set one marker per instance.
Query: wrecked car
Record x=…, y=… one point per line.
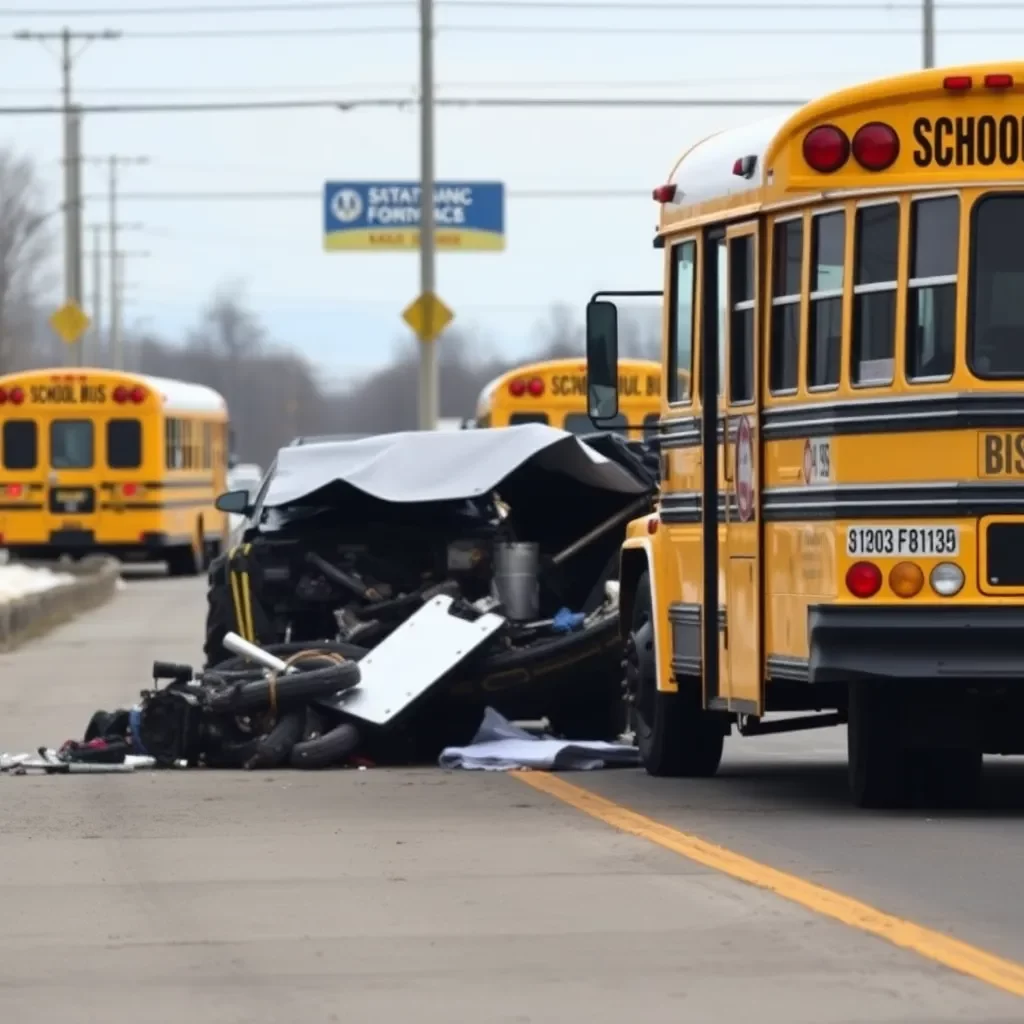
x=516, y=529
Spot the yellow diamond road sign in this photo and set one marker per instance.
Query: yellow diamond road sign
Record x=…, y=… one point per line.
x=70, y=322
x=428, y=316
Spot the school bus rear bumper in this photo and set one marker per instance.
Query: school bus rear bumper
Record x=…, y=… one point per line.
x=966, y=642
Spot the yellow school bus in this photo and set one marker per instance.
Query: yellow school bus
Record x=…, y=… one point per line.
x=98, y=461
x=841, y=528
x=554, y=392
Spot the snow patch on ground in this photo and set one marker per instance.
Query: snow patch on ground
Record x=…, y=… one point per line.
x=21, y=580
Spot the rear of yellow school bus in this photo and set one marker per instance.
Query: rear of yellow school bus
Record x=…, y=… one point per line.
x=841, y=529
x=97, y=461
x=555, y=392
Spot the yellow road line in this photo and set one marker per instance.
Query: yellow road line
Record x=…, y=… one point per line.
x=950, y=952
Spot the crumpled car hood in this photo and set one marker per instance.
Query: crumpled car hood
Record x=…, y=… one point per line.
x=524, y=463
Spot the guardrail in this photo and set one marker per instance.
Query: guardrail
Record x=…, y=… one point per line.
x=31, y=615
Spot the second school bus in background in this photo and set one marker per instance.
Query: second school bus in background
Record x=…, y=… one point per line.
x=841, y=526
x=99, y=461
x=554, y=392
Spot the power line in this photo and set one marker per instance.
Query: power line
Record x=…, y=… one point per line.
x=306, y=194
x=346, y=105
x=257, y=90
x=585, y=6
x=548, y=30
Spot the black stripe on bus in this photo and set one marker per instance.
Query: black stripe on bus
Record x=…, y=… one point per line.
x=857, y=501
x=18, y=506
x=153, y=506
x=165, y=485
x=907, y=414
x=914, y=414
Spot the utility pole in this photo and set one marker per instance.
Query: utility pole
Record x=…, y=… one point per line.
x=429, y=385
x=928, y=32
x=72, y=162
x=97, y=295
x=117, y=291
x=116, y=353
x=101, y=352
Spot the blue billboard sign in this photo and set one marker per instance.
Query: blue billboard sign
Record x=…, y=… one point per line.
x=385, y=215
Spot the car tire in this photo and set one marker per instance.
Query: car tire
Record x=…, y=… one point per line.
x=675, y=735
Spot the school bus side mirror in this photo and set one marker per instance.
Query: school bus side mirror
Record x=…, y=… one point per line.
x=234, y=502
x=602, y=360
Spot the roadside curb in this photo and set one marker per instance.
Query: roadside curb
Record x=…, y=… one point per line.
x=26, y=618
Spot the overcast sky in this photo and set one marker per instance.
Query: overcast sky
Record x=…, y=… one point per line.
x=343, y=309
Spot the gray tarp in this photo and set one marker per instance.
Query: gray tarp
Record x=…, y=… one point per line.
x=428, y=466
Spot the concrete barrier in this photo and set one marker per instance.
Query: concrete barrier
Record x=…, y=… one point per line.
x=28, y=617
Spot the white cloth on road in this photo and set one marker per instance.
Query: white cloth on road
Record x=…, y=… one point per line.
x=501, y=746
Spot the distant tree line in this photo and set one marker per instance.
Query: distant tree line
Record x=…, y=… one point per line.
x=274, y=393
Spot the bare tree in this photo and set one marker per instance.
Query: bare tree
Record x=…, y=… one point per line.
x=24, y=252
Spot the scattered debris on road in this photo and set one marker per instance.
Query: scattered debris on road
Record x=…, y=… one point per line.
x=18, y=580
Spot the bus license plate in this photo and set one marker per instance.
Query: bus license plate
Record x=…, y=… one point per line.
x=901, y=541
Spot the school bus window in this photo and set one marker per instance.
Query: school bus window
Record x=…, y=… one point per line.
x=876, y=269
x=651, y=422
x=825, y=330
x=207, y=447
x=527, y=417
x=722, y=292
x=787, y=284
x=680, y=356
x=71, y=444
x=996, y=338
x=741, y=326
x=931, y=296
x=124, y=444
x=20, y=444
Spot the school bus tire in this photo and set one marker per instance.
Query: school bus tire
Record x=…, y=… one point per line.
x=675, y=735
x=185, y=560
x=879, y=760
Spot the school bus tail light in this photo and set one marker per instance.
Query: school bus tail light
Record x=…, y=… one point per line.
x=124, y=395
x=15, y=396
x=664, y=193
x=875, y=146
x=906, y=579
x=947, y=579
x=129, y=490
x=999, y=81
x=517, y=387
x=957, y=83
x=14, y=491
x=138, y=394
x=826, y=148
x=535, y=386
x=863, y=579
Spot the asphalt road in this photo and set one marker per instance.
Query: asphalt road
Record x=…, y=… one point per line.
x=428, y=896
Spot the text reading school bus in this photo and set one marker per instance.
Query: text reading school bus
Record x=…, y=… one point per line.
x=841, y=527
x=555, y=392
x=122, y=463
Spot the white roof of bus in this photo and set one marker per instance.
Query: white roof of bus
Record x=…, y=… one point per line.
x=180, y=396
x=705, y=171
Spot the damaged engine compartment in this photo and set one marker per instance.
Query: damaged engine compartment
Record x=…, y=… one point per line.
x=355, y=538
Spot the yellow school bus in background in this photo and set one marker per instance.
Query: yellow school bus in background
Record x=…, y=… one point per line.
x=841, y=527
x=554, y=392
x=98, y=461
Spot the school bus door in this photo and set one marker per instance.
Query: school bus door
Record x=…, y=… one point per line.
x=740, y=559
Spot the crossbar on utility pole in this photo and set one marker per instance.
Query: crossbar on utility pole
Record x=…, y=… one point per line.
x=928, y=32
x=72, y=164
x=429, y=385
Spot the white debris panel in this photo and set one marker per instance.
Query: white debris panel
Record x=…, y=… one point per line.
x=17, y=581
